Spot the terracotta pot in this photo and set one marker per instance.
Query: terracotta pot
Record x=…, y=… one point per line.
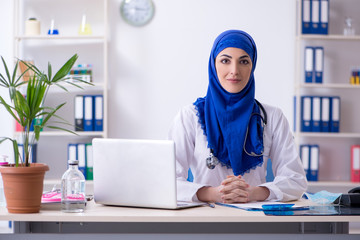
x=23, y=187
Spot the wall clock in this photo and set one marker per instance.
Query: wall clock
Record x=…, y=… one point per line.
x=137, y=12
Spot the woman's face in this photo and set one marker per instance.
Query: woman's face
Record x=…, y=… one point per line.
x=233, y=68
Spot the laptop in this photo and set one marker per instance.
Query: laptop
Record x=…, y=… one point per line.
x=136, y=173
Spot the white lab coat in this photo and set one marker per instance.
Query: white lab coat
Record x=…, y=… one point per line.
x=191, y=152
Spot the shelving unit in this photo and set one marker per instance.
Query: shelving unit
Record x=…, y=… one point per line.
x=56, y=49
x=339, y=57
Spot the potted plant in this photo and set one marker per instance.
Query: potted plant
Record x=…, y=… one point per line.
x=25, y=110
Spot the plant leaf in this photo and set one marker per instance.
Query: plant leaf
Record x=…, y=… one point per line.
x=65, y=69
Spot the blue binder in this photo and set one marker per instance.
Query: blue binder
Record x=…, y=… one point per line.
x=325, y=114
x=98, y=112
x=324, y=17
x=315, y=16
x=32, y=155
x=316, y=114
x=306, y=110
x=306, y=17
x=81, y=151
x=319, y=64
x=314, y=163
x=305, y=158
x=335, y=114
x=309, y=64
x=88, y=113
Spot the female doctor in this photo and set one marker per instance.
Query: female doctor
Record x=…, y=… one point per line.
x=227, y=137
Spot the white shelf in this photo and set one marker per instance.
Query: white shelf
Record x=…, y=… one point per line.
x=329, y=85
x=67, y=134
x=328, y=37
x=327, y=135
x=333, y=184
x=85, y=87
x=61, y=37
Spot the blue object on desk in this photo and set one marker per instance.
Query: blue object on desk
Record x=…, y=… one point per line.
x=277, y=207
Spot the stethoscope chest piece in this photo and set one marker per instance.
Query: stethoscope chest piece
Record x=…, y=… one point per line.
x=212, y=161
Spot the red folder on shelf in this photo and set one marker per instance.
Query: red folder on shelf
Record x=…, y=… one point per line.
x=355, y=163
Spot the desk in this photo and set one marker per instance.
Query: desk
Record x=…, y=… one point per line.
x=197, y=223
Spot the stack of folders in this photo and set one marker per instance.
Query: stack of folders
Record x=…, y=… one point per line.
x=315, y=16
x=32, y=150
x=355, y=163
x=309, y=155
x=354, y=79
x=314, y=64
x=83, y=153
x=320, y=114
x=89, y=112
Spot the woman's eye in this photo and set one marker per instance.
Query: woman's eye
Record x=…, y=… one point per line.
x=224, y=61
x=245, y=62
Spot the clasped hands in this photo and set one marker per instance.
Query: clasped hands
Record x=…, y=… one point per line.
x=233, y=189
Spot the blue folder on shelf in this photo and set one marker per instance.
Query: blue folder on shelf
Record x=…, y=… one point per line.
x=325, y=114
x=88, y=113
x=315, y=16
x=305, y=158
x=316, y=114
x=309, y=64
x=314, y=163
x=319, y=64
x=335, y=114
x=306, y=112
x=98, y=112
x=32, y=152
x=82, y=157
x=306, y=16
x=324, y=17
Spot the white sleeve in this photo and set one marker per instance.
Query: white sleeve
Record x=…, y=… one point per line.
x=290, y=181
x=182, y=132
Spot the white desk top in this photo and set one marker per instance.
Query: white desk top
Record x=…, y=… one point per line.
x=99, y=213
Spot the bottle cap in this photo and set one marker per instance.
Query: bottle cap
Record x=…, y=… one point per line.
x=73, y=162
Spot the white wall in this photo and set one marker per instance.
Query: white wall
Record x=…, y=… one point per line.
x=156, y=69
x=6, y=46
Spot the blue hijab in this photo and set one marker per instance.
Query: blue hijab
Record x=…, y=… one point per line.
x=225, y=117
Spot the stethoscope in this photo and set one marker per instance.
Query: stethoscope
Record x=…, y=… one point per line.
x=212, y=161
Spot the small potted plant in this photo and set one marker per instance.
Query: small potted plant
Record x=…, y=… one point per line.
x=25, y=195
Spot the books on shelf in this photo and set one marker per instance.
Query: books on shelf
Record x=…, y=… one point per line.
x=320, y=113
x=315, y=16
x=83, y=153
x=89, y=112
x=81, y=72
x=354, y=78
x=309, y=155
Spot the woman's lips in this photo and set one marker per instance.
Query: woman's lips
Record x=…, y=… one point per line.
x=233, y=80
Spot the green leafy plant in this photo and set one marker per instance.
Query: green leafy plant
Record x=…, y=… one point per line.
x=27, y=109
